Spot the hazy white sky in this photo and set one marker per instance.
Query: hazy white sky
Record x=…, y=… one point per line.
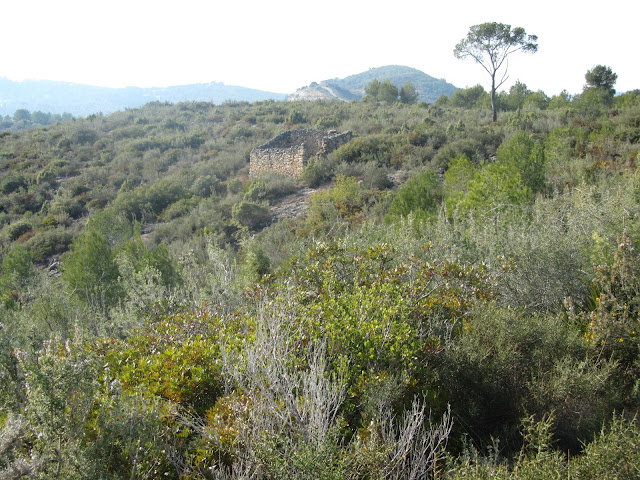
x=280, y=45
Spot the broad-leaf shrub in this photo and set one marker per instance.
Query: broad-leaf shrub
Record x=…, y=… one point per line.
x=384, y=313
x=177, y=359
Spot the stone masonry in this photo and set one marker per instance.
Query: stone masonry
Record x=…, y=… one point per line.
x=288, y=152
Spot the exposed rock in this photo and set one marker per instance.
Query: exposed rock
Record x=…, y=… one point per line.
x=322, y=90
x=292, y=206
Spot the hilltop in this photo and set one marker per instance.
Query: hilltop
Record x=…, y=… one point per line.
x=353, y=87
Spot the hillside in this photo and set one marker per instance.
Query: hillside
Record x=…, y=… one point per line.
x=444, y=296
x=83, y=100
x=429, y=89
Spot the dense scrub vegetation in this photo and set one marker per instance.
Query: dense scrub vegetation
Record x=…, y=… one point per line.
x=459, y=299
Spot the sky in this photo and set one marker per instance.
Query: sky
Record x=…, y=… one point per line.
x=282, y=45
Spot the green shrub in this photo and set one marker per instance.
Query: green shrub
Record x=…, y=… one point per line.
x=527, y=157
x=49, y=243
x=319, y=169
x=375, y=177
x=90, y=271
x=421, y=193
x=269, y=187
x=147, y=202
x=474, y=149
x=472, y=97
x=612, y=326
x=11, y=183
x=256, y=191
x=178, y=209
x=205, y=185
x=18, y=229
x=343, y=202
x=372, y=148
x=504, y=362
x=614, y=453
x=487, y=190
x=17, y=267
x=256, y=263
x=163, y=359
x=250, y=215
x=234, y=186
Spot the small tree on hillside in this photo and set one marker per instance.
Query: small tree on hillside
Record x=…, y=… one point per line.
x=489, y=44
x=408, y=93
x=600, y=85
x=385, y=91
x=371, y=90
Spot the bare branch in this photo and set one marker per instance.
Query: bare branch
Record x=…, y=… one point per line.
x=417, y=443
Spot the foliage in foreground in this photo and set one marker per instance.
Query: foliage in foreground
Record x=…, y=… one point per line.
x=480, y=320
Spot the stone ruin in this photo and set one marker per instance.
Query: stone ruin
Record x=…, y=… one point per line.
x=288, y=152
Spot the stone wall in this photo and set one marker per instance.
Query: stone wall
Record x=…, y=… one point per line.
x=334, y=140
x=288, y=152
x=287, y=161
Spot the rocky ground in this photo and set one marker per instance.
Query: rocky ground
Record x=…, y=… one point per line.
x=292, y=205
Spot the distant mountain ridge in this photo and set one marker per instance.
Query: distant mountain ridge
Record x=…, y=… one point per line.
x=83, y=100
x=353, y=87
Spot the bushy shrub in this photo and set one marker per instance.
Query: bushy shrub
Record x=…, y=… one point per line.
x=612, y=327
x=49, y=243
x=18, y=229
x=256, y=263
x=11, y=183
x=162, y=360
x=373, y=148
x=205, y=186
x=179, y=208
x=376, y=178
x=17, y=267
x=90, y=271
x=527, y=157
x=410, y=156
x=343, y=202
x=422, y=193
x=613, y=453
x=319, y=169
x=251, y=215
x=277, y=186
x=504, y=362
x=489, y=189
x=147, y=202
x=473, y=97
x=470, y=147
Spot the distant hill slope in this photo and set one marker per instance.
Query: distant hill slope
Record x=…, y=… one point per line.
x=353, y=86
x=83, y=100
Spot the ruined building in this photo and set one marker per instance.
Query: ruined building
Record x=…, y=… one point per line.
x=288, y=153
